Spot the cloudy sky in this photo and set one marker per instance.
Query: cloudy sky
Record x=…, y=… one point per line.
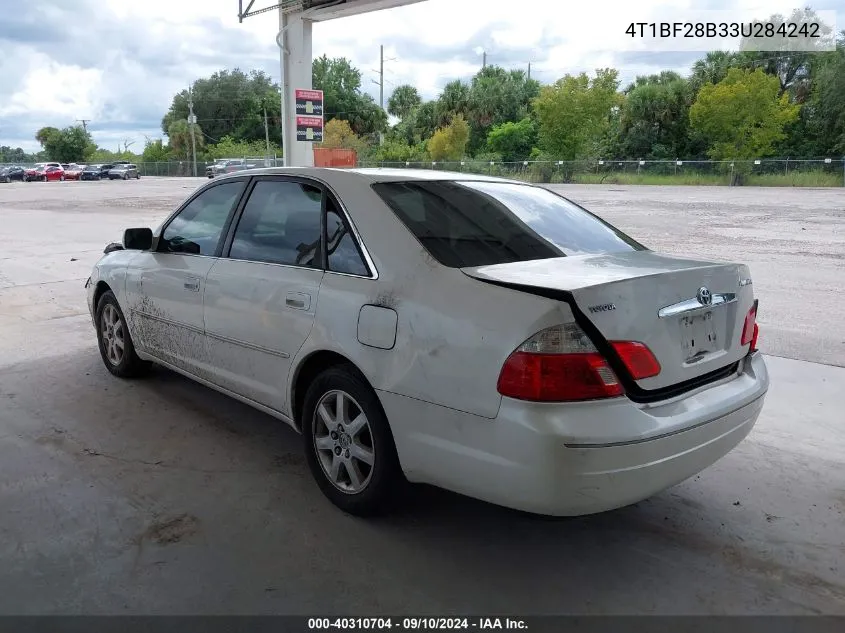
x=119, y=62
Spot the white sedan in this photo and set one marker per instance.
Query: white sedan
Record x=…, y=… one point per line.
x=486, y=336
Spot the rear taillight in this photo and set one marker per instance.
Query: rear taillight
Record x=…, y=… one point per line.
x=750, y=329
x=558, y=364
x=637, y=358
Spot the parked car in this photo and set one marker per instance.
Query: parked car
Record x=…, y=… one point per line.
x=483, y=335
x=227, y=166
x=13, y=172
x=73, y=172
x=105, y=169
x=90, y=172
x=52, y=173
x=124, y=171
x=36, y=172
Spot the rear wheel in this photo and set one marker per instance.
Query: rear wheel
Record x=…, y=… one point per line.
x=348, y=443
x=116, y=347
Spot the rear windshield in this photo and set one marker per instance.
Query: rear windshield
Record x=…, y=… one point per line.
x=484, y=223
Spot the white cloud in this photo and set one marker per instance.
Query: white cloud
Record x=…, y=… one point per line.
x=120, y=63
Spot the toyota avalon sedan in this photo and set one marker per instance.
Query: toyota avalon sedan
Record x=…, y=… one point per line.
x=482, y=335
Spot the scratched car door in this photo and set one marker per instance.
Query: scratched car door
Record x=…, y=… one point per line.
x=261, y=296
x=165, y=287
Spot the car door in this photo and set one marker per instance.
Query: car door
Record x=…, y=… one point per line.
x=165, y=286
x=261, y=295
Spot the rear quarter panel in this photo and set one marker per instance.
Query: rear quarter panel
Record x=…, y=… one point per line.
x=453, y=332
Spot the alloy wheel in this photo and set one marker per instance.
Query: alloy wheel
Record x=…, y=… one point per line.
x=113, y=332
x=343, y=441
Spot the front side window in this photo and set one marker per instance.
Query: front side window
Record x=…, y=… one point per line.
x=484, y=223
x=280, y=224
x=198, y=227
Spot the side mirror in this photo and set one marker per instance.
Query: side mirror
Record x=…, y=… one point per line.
x=138, y=239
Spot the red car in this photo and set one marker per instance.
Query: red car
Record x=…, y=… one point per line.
x=35, y=173
x=50, y=173
x=73, y=172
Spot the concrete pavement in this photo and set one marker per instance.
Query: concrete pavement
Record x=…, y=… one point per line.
x=162, y=496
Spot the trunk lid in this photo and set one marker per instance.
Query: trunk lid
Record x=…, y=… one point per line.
x=689, y=313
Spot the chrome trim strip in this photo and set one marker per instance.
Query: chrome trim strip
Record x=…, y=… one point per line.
x=225, y=339
x=694, y=305
x=252, y=346
x=147, y=315
x=295, y=267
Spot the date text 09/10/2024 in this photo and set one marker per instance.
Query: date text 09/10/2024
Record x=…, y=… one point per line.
x=755, y=30
x=416, y=624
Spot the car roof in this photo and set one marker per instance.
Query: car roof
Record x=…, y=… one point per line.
x=374, y=174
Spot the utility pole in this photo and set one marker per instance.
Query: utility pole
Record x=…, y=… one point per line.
x=484, y=60
x=529, y=70
x=84, y=123
x=191, y=120
x=381, y=77
x=266, y=136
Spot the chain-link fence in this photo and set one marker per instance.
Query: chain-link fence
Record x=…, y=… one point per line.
x=815, y=172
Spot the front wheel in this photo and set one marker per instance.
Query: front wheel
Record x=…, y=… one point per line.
x=115, y=343
x=348, y=443
x=62, y=178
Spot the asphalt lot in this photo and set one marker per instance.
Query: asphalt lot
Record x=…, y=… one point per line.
x=162, y=496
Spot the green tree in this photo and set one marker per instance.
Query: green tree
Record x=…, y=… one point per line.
x=15, y=155
x=230, y=103
x=743, y=116
x=72, y=144
x=712, y=68
x=497, y=96
x=828, y=101
x=230, y=147
x=340, y=82
x=420, y=124
x=403, y=101
x=179, y=133
x=449, y=143
x=155, y=151
x=782, y=59
x=654, y=119
x=576, y=113
x=453, y=100
x=513, y=141
x=338, y=134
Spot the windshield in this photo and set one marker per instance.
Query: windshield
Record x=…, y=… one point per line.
x=483, y=223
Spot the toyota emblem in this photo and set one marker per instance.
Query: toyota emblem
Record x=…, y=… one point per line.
x=705, y=297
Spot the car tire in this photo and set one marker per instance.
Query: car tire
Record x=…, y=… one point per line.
x=111, y=328
x=338, y=457
x=62, y=178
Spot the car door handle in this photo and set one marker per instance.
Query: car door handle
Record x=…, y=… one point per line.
x=298, y=300
x=192, y=284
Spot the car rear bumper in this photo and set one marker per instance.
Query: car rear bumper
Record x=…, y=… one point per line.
x=537, y=459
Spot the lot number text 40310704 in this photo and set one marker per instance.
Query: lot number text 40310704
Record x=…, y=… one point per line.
x=417, y=624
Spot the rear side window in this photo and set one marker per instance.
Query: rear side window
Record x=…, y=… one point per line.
x=484, y=223
x=280, y=224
